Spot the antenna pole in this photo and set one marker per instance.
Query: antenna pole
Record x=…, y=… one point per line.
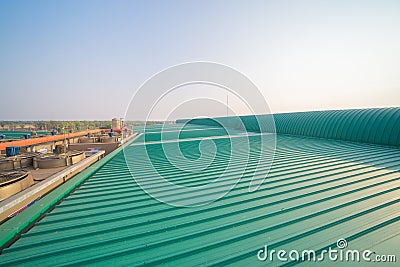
x=227, y=106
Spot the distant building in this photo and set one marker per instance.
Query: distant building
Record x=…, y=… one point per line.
x=116, y=123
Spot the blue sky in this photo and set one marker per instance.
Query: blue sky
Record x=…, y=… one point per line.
x=85, y=59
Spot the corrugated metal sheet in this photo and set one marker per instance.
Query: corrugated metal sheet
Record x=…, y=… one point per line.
x=374, y=126
x=317, y=192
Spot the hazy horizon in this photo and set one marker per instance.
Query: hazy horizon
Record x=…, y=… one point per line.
x=84, y=60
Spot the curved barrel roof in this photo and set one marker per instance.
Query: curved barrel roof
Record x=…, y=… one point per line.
x=375, y=126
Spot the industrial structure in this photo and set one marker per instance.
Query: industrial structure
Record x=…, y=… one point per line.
x=35, y=165
x=116, y=123
x=335, y=175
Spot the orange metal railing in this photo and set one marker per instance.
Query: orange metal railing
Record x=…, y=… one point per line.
x=46, y=139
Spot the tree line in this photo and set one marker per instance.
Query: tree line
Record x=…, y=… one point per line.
x=59, y=126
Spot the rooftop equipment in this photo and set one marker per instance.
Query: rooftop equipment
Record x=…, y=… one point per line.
x=11, y=182
x=17, y=162
x=85, y=139
x=60, y=149
x=48, y=161
x=12, y=151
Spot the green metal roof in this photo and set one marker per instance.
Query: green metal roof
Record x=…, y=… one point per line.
x=374, y=125
x=317, y=191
